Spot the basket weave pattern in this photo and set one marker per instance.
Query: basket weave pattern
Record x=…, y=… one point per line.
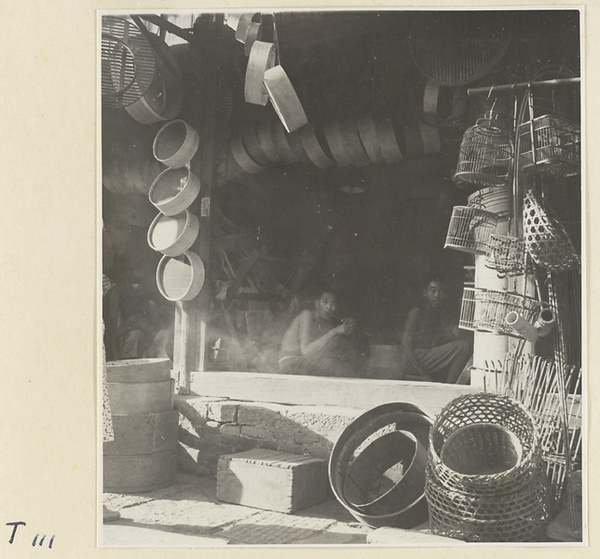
x=545, y=237
x=507, y=505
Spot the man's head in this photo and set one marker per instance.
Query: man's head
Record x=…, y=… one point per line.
x=435, y=293
x=325, y=304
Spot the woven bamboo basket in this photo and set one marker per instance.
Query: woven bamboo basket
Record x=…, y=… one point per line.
x=485, y=310
x=484, y=477
x=550, y=145
x=486, y=156
x=506, y=255
x=545, y=238
x=470, y=229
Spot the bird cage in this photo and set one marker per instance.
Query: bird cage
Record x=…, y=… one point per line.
x=486, y=156
x=550, y=140
x=485, y=310
x=470, y=229
x=550, y=145
x=506, y=255
x=467, y=320
x=128, y=65
x=546, y=239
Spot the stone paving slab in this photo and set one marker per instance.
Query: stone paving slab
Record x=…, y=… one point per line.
x=274, y=528
x=117, y=535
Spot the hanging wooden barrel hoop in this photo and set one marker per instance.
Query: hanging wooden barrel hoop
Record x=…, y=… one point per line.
x=253, y=34
x=241, y=206
x=313, y=147
x=266, y=142
x=280, y=138
x=368, y=137
x=262, y=57
x=352, y=144
x=174, y=190
x=142, y=456
x=176, y=143
x=164, y=98
x=241, y=156
x=182, y=278
x=173, y=235
x=386, y=136
x=252, y=145
x=333, y=135
x=284, y=99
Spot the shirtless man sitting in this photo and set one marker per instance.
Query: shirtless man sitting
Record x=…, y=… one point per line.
x=319, y=343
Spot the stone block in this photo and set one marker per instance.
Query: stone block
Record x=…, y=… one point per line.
x=272, y=480
x=230, y=430
x=223, y=412
x=256, y=432
x=289, y=446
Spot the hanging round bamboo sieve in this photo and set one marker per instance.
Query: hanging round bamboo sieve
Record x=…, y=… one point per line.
x=181, y=278
x=175, y=144
x=173, y=235
x=174, y=190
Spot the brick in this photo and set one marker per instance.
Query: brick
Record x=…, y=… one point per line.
x=256, y=432
x=272, y=480
x=230, y=429
x=223, y=412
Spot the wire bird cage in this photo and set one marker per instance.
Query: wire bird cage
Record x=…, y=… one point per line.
x=128, y=66
x=484, y=480
x=550, y=145
x=492, y=199
x=470, y=229
x=535, y=383
x=506, y=255
x=486, y=156
x=485, y=310
x=546, y=239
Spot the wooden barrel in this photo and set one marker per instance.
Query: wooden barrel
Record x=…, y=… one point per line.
x=140, y=397
x=140, y=472
x=138, y=370
x=143, y=454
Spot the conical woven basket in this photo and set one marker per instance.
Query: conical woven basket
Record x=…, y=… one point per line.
x=545, y=237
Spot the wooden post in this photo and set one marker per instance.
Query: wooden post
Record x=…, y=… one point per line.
x=191, y=317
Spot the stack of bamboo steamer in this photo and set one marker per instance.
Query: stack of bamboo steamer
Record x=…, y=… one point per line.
x=143, y=454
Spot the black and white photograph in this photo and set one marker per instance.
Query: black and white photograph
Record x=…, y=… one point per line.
x=342, y=274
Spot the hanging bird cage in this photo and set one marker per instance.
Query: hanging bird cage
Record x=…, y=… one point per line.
x=470, y=229
x=546, y=239
x=485, y=310
x=128, y=66
x=550, y=142
x=486, y=155
x=506, y=255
